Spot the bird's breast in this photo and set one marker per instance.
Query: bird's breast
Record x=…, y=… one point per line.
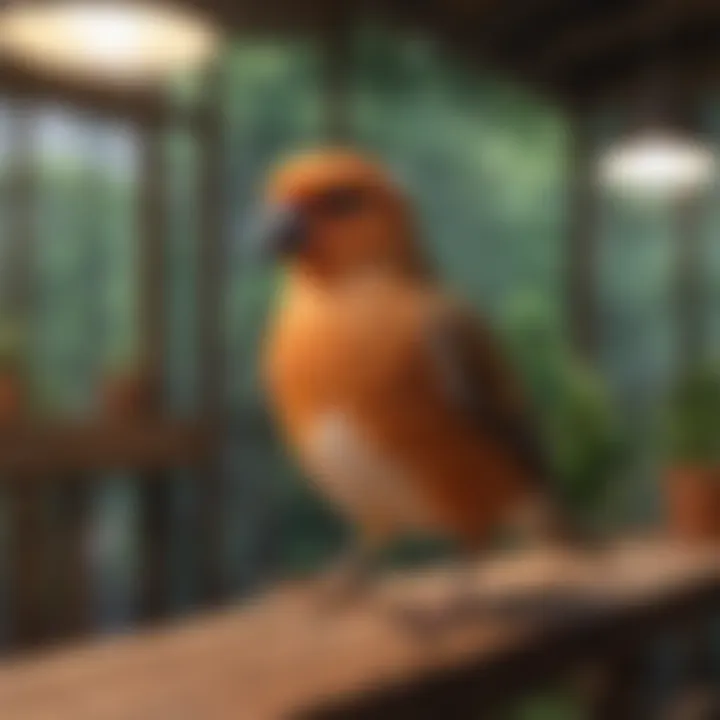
x=345, y=353
x=363, y=478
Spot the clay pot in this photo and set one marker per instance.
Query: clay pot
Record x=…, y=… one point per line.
x=126, y=396
x=693, y=504
x=13, y=398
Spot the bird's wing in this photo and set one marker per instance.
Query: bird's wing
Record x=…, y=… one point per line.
x=478, y=381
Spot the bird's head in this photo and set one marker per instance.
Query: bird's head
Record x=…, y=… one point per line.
x=335, y=213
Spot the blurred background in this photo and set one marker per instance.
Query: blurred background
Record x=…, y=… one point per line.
x=134, y=426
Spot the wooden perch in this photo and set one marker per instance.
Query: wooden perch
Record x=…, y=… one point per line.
x=539, y=618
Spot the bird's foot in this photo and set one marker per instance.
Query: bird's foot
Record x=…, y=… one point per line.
x=343, y=585
x=432, y=620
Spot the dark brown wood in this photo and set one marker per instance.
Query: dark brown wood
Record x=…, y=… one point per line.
x=622, y=691
x=210, y=334
x=626, y=25
x=31, y=450
x=560, y=47
x=71, y=607
x=699, y=695
x=20, y=194
x=28, y=611
x=581, y=261
x=25, y=512
x=563, y=48
x=540, y=617
x=155, y=516
x=155, y=492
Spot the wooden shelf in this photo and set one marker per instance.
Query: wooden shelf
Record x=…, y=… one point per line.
x=93, y=445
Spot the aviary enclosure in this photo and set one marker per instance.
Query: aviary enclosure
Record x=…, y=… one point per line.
x=142, y=475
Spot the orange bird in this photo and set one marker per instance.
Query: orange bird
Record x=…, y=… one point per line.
x=393, y=395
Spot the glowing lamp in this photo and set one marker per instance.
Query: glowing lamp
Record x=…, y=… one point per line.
x=113, y=41
x=657, y=162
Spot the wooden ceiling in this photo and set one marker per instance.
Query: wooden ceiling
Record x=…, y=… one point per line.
x=578, y=52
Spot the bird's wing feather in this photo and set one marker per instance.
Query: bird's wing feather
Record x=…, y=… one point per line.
x=478, y=381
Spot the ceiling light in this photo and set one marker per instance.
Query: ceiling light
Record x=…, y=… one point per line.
x=658, y=162
x=115, y=41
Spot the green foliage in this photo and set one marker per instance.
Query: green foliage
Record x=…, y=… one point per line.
x=693, y=417
x=13, y=346
x=557, y=706
x=572, y=405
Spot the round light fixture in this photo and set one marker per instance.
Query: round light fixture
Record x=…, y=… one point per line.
x=125, y=42
x=657, y=162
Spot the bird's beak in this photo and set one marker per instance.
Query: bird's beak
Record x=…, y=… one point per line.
x=279, y=231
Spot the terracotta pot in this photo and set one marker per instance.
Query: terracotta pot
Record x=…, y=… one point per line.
x=13, y=398
x=693, y=498
x=126, y=396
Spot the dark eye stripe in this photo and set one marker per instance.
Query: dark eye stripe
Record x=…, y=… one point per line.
x=340, y=201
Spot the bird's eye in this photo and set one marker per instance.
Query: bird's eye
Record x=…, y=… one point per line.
x=340, y=202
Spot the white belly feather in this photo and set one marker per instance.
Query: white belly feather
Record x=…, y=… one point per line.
x=362, y=480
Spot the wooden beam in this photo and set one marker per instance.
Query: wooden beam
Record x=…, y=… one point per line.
x=21, y=197
x=94, y=446
x=210, y=333
x=673, y=62
x=581, y=255
x=689, y=267
x=336, y=44
x=624, y=26
x=694, y=73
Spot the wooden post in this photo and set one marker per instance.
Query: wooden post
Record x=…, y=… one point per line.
x=699, y=696
x=25, y=494
x=27, y=567
x=336, y=47
x=18, y=276
x=688, y=279
x=155, y=499
x=72, y=601
x=211, y=365
x=155, y=520
x=581, y=254
x=621, y=692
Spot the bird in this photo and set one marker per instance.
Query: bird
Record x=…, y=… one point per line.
x=392, y=393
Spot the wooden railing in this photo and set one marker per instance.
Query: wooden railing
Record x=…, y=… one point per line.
x=64, y=459
x=49, y=575
x=540, y=620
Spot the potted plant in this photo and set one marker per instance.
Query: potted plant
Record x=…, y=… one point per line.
x=693, y=444
x=580, y=427
x=13, y=376
x=126, y=391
